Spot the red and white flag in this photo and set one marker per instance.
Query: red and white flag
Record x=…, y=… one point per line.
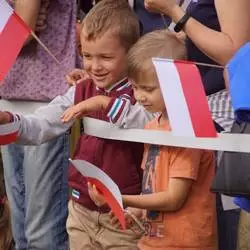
x=105, y=185
x=185, y=98
x=9, y=133
x=13, y=34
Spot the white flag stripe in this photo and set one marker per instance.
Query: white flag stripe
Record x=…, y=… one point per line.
x=5, y=12
x=224, y=142
x=174, y=98
x=89, y=170
x=9, y=128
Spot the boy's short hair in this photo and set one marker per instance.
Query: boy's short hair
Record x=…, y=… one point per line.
x=112, y=15
x=160, y=43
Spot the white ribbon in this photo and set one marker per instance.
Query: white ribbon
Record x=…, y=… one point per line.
x=224, y=142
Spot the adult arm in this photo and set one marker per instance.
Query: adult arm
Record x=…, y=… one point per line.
x=234, y=20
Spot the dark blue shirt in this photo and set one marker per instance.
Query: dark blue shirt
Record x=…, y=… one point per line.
x=204, y=11
x=149, y=21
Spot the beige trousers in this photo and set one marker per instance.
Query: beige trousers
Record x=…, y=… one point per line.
x=91, y=230
x=244, y=231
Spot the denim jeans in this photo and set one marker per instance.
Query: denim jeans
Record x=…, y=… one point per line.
x=37, y=187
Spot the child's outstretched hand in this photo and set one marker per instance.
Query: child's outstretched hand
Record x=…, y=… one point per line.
x=95, y=195
x=76, y=76
x=73, y=112
x=95, y=103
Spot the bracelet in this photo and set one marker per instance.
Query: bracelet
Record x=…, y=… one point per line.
x=180, y=24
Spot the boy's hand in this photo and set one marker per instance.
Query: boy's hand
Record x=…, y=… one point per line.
x=160, y=6
x=4, y=118
x=95, y=195
x=130, y=214
x=76, y=76
x=73, y=112
x=95, y=103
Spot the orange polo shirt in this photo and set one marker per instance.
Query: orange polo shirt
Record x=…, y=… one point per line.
x=193, y=227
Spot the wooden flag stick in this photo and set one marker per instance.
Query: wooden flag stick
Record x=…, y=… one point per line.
x=45, y=48
x=200, y=64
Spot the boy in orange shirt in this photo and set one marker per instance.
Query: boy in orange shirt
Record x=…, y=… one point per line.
x=178, y=208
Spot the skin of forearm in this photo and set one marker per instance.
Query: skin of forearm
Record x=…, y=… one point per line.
x=93, y=104
x=104, y=102
x=160, y=201
x=209, y=41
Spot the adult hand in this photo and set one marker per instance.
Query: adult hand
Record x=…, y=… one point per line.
x=95, y=195
x=42, y=16
x=161, y=6
x=76, y=76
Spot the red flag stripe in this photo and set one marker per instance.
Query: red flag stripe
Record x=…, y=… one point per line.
x=110, y=199
x=12, y=39
x=196, y=100
x=8, y=138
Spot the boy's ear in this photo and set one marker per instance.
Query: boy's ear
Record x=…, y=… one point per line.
x=226, y=78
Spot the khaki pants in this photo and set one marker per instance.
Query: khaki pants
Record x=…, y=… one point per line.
x=91, y=230
x=244, y=231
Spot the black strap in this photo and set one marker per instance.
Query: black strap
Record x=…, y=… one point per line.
x=180, y=24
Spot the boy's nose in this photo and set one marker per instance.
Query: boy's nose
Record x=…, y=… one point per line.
x=141, y=98
x=96, y=66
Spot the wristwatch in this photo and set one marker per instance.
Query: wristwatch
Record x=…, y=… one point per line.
x=180, y=24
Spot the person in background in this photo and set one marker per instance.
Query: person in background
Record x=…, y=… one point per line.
x=36, y=176
x=6, y=241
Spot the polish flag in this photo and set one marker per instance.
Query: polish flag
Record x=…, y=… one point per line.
x=185, y=98
x=8, y=133
x=13, y=34
x=105, y=185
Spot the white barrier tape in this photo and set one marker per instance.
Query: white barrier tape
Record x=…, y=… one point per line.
x=9, y=128
x=224, y=142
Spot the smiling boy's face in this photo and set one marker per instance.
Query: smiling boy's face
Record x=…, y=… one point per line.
x=104, y=59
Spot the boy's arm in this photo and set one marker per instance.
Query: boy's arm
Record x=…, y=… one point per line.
x=183, y=169
x=120, y=111
x=167, y=201
x=126, y=115
x=45, y=124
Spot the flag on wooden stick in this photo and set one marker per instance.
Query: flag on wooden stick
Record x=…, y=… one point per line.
x=13, y=34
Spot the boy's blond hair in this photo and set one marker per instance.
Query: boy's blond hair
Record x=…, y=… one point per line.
x=160, y=43
x=115, y=16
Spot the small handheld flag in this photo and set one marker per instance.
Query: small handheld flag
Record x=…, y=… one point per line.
x=185, y=98
x=13, y=33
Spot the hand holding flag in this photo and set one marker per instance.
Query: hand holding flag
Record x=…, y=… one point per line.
x=104, y=185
